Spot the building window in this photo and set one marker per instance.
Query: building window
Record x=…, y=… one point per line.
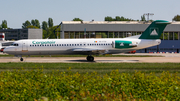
x=72, y=35
x=170, y=35
x=176, y=37
x=76, y=35
x=111, y=35
x=166, y=36
x=66, y=35
x=121, y=35
x=116, y=35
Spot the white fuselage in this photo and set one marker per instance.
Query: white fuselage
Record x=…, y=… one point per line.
x=75, y=46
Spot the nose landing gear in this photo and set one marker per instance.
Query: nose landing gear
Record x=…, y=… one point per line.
x=21, y=59
x=90, y=58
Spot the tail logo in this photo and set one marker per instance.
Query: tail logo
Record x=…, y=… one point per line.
x=154, y=32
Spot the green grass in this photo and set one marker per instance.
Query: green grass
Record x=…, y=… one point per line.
x=101, y=68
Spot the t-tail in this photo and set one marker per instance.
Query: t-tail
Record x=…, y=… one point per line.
x=154, y=30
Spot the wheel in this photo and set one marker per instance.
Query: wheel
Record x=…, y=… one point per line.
x=90, y=58
x=21, y=59
x=87, y=58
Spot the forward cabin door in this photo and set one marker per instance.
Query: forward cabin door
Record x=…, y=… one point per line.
x=24, y=46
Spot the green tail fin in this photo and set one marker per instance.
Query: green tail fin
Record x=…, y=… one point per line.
x=154, y=30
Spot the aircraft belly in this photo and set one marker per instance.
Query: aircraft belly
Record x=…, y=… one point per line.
x=119, y=51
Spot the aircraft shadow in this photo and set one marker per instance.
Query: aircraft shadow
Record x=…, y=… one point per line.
x=103, y=61
x=80, y=61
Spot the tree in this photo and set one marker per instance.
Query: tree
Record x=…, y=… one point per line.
x=26, y=24
x=44, y=25
x=77, y=19
x=108, y=18
x=4, y=24
x=117, y=18
x=35, y=23
x=34, y=27
x=143, y=18
x=45, y=29
x=50, y=22
x=176, y=18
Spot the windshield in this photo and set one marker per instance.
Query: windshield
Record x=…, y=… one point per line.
x=14, y=44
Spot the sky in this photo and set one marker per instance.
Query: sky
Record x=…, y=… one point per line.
x=16, y=12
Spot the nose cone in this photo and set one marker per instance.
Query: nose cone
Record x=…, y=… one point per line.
x=6, y=50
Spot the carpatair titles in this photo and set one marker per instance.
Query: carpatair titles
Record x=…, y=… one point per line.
x=43, y=42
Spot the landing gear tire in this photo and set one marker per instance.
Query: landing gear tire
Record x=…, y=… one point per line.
x=21, y=59
x=90, y=58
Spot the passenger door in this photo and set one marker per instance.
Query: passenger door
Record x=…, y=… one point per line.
x=24, y=46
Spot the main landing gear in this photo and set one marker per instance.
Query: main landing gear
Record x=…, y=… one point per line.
x=90, y=58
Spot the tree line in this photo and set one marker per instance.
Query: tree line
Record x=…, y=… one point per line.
x=47, y=26
x=51, y=31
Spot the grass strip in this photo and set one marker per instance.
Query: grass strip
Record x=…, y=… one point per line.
x=102, y=68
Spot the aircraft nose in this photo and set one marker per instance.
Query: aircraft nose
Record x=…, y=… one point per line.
x=5, y=50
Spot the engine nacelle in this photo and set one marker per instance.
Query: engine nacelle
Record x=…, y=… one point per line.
x=121, y=44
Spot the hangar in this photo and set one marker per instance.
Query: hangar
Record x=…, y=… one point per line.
x=120, y=29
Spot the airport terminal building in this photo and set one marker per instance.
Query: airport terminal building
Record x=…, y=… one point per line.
x=121, y=29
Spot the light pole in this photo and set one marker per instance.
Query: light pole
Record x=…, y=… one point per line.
x=148, y=14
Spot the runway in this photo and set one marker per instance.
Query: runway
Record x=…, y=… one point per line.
x=96, y=59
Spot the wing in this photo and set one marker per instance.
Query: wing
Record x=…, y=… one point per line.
x=91, y=51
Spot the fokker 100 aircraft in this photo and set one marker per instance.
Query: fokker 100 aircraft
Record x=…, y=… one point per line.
x=150, y=37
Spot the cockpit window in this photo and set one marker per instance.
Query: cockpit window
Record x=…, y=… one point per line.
x=14, y=44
